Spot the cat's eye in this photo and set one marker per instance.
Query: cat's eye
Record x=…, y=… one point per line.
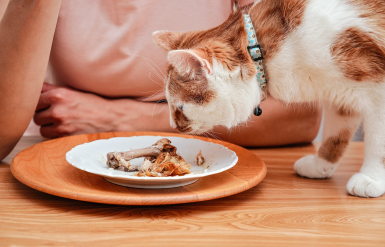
x=180, y=107
x=182, y=79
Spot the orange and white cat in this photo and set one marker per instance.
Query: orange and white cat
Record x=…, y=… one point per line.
x=325, y=51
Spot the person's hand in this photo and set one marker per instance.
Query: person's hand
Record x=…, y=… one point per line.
x=62, y=111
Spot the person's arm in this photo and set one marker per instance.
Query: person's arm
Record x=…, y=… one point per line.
x=26, y=32
x=279, y=125
x=64, y=111
x=3, y=7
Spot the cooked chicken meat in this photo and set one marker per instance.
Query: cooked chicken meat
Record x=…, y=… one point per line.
x=200, y=158
x=161, y=160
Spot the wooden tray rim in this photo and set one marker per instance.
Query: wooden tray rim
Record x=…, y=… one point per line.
x=98, y=196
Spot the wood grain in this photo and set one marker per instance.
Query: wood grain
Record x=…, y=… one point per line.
x=44, y=167
x=282, y=210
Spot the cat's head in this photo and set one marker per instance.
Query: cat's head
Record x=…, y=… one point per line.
x=211, y=77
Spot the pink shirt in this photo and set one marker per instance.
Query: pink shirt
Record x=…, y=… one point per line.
x=105, y=46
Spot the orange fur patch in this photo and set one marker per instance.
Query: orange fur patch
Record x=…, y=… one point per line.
x=189, y=88
x=374, y=13
x=226, y=43
x=359, y=55
x=182, y=122
x=274, y=20
x=167, y=40
x=334, y=147
x=345, y=111
x=383, y=161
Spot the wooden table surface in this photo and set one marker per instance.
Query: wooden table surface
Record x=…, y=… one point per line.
x=283, y=210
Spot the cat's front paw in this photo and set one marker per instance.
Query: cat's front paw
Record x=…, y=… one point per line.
x=364, y=186
x=313, y=167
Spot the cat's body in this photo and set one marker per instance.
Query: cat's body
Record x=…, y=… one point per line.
x=307, y=65
x=324, y=51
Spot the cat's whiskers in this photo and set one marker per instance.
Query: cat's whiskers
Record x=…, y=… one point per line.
x=145, y=99
x=206, y=135
x=156, y=66
x=156, y=73
x=215, y=122
x=151, y=91
x=216, y=132
x=155, y=91
x=151, y=67
x=215, y=136
x=159, y=110
x=153, y=109
x=149, y=76
x=193, y=134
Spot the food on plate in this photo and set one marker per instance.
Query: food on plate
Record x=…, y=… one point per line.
x=160, y=160
x=200, y=158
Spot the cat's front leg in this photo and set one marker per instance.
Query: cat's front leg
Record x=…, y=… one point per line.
x=370, y=181
x=339, y=126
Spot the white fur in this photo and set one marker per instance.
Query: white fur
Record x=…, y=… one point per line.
x=311, y=166
x=234, y=102
x=304, y=71
x=316, y=167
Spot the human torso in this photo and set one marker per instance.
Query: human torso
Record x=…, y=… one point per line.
x=105, y=47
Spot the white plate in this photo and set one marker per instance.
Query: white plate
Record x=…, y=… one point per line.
x=91, y=157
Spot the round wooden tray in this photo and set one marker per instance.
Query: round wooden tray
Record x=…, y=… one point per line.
x=44, y=167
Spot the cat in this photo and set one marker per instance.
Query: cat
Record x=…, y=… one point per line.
x=330, y=52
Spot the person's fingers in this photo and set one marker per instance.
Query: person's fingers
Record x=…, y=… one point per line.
x=54, y=114
x=48, y=131
x=48, y=87
x=48, y=98
x=57, y=130
x=44, y=102
x=43, y=117
x=49, y=94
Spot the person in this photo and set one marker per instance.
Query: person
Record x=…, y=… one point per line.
x=108, y=74
x=26, y=33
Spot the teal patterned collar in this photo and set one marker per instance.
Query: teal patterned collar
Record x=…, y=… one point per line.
x=256, y=55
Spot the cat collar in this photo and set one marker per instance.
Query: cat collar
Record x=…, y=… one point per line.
x=256, y=55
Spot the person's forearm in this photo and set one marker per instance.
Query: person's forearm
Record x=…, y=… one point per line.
x=132, y=115
x=3, y=7
x=26, y=33
x=278, y=125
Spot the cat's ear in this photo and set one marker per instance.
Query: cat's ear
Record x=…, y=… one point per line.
x=167, y=40
x=188, y=61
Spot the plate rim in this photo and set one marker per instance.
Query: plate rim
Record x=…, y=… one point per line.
x=131, y=177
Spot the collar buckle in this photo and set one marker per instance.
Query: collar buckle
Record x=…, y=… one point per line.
x=255, y=52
